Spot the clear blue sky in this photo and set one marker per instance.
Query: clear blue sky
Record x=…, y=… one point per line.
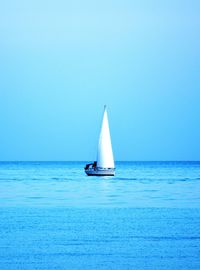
x=61, y=61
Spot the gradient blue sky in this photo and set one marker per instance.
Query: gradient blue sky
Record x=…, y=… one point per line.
x=61, y=61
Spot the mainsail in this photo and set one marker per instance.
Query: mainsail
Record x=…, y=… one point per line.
x=105, y=153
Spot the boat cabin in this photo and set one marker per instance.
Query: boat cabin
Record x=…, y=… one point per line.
x=91, y=165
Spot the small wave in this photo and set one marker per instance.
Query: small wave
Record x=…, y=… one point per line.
x=167, y=238
x=126, y=178
x=10, y=179
x=150, y=190
x=113, y=196
x=35, y=197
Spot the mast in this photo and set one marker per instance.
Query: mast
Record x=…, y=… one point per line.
x=104, y=153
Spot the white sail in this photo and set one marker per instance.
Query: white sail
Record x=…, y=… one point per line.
x=105, y=153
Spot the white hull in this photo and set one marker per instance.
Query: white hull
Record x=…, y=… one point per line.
x=100, y=172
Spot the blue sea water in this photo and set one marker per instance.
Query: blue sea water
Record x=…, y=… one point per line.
x=53, y=216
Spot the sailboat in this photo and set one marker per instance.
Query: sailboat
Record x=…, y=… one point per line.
x=104, y=166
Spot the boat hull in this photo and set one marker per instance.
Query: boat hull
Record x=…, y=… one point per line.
x=100, y=172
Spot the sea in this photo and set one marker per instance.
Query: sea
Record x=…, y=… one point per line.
x=53, y=216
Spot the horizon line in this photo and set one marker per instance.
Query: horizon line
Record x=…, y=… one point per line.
x=89, y=161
